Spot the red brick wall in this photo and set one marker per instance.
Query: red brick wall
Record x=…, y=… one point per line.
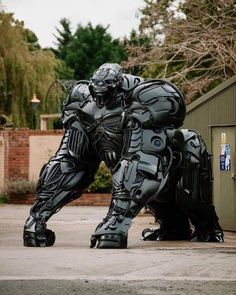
x=87, y=199
x=17, y=154
x=16, y=151
x=93, y=199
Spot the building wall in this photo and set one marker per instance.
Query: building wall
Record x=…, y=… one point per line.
x=23, y=151
x=16, y=150
x=214, y=117
x=217, y=107
x=41, y=148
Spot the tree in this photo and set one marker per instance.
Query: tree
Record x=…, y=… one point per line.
x=25, y=69
x=197, y=48
x=137, y=44
x=87, y=48
x=64, y=38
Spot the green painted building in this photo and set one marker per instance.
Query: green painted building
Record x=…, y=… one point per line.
x=214, y=117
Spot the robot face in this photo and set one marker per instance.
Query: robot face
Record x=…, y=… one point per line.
x=105, y=83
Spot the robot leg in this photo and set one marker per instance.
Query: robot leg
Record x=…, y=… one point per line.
x=61, y=181
x=195, y=190
x=173, y=221
x=135, y=183
x=58, y=185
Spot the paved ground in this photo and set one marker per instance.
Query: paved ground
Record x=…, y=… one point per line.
x=71, y=267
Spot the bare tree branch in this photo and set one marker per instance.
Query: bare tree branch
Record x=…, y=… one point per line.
x=198, y=52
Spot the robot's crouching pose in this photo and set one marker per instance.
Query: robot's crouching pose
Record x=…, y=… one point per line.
x=133, y=126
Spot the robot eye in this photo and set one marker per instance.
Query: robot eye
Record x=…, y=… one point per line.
x=109, y=82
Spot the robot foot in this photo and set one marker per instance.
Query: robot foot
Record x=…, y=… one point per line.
x=45, y=238
x=36, y=233
x=215, y=236
x=109, y=241
x=113, y=233
x=159, y=234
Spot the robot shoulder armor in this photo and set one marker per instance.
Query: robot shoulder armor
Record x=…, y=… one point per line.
x=79, y=93
x=130, y=81
x=162, y=100
x=149, y=91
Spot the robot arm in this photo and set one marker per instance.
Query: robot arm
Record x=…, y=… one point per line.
x=62, y=179
x=153, y=146
x=68, y=172
x=144, y=170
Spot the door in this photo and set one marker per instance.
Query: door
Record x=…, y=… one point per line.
x=224, y=168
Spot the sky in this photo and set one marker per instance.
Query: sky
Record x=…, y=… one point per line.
x=43, y=16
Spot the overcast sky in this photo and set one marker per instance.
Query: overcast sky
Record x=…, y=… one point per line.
x=43, y=16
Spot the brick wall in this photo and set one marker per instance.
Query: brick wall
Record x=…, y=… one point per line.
x=87, y=199
x=93, y=199
x=16, y=151
x=16, y=145
x=17, y=164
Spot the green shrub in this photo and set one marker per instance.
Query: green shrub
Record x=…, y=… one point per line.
x=5, y=122
x=102, y=182
x=3, y=198
x=20, y=187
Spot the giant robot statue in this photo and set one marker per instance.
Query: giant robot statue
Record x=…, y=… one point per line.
x=133, y=126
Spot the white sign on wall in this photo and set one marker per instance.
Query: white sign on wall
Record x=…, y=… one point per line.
x=225, y=160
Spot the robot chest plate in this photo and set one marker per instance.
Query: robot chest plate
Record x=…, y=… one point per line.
x=106, y=131
x=96, y=120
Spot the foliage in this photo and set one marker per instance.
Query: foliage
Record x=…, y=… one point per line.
x=3, y=198
x=194, y=45
x=141, y=43
x=20, y=187
x=5, y=121
x=24, y=69
x=64, y=38
x=102, y=182
x=87, y=48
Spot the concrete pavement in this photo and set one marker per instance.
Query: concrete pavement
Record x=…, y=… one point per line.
x=71, y=267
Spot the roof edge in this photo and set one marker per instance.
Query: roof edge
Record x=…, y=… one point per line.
x=210, y=94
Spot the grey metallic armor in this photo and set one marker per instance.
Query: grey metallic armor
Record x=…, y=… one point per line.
x=133, y=126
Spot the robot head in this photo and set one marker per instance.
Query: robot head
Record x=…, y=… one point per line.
x=105, y=83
